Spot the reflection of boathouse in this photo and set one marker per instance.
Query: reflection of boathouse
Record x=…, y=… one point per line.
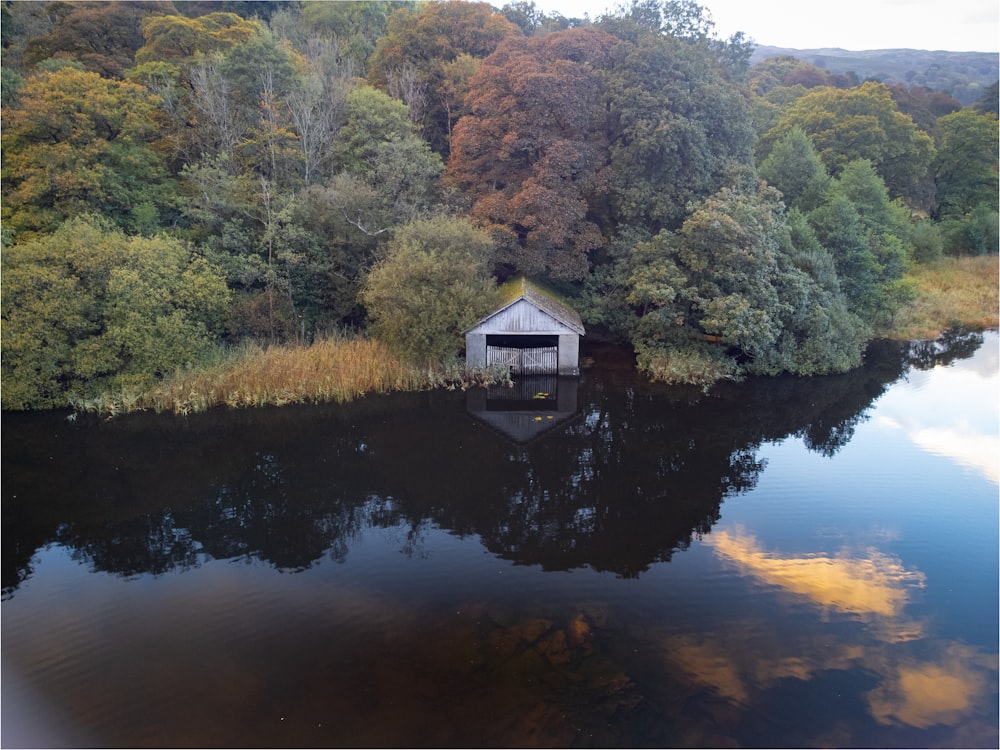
x=531, y=333
x=534, y=405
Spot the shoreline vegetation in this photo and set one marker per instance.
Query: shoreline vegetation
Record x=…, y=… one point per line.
x=951, y=292
x=336, y=369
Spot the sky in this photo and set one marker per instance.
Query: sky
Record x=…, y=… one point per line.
x=953, y=25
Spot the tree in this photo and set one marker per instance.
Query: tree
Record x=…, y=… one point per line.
x=425, y=42
x=525, y=15
x=317, y=104
x=737, y=290
x=864, y=232
x=965, y=169
x=379, y=146
x=862, y=123
x=357, y=26
x=532, y=153
x=923, y=104
x=104, y=37
x=795, y=169
x=988, y=102
x=433, y=285
x=81, y=143
x=178, y=39
x=87, y=308
x=677, y=129
x=682, y=20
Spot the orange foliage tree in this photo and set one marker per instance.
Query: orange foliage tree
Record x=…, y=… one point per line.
x=532, y=152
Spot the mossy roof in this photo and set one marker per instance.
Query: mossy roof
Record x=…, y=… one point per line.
x=541, y=297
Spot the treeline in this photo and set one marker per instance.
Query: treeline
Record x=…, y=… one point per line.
x=179, y=176
x=962, y=76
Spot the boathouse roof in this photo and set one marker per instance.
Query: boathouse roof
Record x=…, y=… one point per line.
x=521, y=288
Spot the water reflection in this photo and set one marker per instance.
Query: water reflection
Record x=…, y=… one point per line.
x=970, y=440
x=867, y=584
x=627, y=474
x=621, y=486
x=527, y=409
x=414, y=636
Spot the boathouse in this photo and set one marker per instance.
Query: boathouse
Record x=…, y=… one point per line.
x=533, y=332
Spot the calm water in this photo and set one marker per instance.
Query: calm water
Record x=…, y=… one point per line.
x=574, y=563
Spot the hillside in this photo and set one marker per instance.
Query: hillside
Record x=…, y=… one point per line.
x=963, y=75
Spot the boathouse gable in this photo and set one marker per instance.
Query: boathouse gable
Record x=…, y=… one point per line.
x=532, y=333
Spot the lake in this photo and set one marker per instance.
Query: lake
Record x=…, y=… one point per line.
x=590, y=562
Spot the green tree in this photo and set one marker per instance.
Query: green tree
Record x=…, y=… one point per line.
x=677, y=129
x=87, y=308
x=862, y=123
x=80, y=143
x=433, y=285
x=795, y=169
x=357, y=26
x=864, y=231
x=379, y=147
x=965, y=169
x=737, y=290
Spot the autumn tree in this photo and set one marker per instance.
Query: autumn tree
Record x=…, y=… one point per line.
x=424, y=43
x=103, y=37
x=180, y=63
x=80, y=143
x=532, y=153
x=175, y=38
x=923, y=105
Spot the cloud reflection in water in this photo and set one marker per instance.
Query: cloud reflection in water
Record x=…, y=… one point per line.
x=927, y=409
x=922, y=682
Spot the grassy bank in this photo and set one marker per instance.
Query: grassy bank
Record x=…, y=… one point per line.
x=331, y=370
x=954, y=291
x=951, y=292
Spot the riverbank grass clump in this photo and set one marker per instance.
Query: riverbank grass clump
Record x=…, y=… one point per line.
x=337, y=370
x=951, y=292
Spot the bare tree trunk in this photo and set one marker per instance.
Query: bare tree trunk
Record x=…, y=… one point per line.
x=404, y=84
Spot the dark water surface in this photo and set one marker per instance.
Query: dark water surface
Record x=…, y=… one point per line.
x=595, y=562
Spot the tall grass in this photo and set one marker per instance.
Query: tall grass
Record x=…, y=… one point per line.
x=330, y=370
x=951, y=292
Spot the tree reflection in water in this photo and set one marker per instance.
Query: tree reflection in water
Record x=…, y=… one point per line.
x=621, y=485
x=630, y=474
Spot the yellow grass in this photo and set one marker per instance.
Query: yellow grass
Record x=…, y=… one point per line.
x=951, y=292
x=329, y=370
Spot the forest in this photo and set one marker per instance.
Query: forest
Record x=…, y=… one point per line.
x=183, y=179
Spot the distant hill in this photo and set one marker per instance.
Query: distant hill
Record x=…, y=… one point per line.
x=963, y=75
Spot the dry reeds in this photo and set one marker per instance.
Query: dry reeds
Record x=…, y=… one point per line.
x=951, y=292
x=330, y=370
